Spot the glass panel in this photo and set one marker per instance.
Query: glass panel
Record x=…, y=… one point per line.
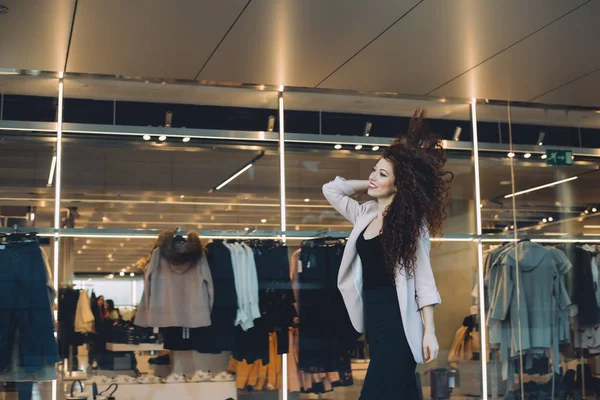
x=556, y=197
x=342, y=123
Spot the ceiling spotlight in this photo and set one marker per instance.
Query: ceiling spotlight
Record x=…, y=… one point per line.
x=132, y=274
x=79, y=252
x=550, y=219
x=162, y=138
x=168, y=119
x=541, y=137
x=111, y=276
x=368, y=126
x=182, y=196
x=544, y=156
x=264, y=221
x=512, y=227
x=511, y=154
x=185, y=139
x=358, y=146
x=586, y=211
x=306, y=200
x=527, y=155
x=594, y=209
x=457, y=133
x=246, y=229
x=506, y=228
x=84, y=247
x=121, y=273
x=545, y=220
x=271, y=123
x=146, y=137
x=375, y=148
x=99, y=269
x=337, y=146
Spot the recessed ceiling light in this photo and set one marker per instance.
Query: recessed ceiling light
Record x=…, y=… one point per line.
x=264, y=221
x=306, y=200
x=182, y=196
x=544, y=156
x=162, y=138
x=132, y=274
x=146, y=137
x=375, y=148
x=121, y=273
x=586, y=211
x=358, y=146
x=337, y=146
x=511, y=154
x=527, y=155
x=594, y=209
x=121, y=244
x=512, y=227
x=99, y=269
x=550, y=219
x=246, y=229
x=185, y=139
x=79, y=252
x=84, y=247
x=111, y=276
x=545, y=220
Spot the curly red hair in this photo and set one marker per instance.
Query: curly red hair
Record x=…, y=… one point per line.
x=420, y=203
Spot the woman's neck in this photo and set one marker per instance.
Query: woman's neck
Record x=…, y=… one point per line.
x=382, y=205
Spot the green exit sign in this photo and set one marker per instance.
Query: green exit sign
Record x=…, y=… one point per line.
x=559, y=157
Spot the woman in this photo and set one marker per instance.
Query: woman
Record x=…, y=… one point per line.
x=385, y=275
x=113, y=313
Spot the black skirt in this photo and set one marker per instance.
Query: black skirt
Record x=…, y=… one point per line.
x=391, y=373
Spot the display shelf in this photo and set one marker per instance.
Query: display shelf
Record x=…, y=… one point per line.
x=134, y=347
x=160, y=391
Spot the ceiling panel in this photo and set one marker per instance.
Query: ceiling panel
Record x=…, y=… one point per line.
x=35, y=34
x=298, y=43
x=439, y=40
x=148, y=37
x=558, y=54
x=582, y=92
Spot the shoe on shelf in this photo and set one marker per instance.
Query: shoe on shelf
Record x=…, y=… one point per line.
x=223, y=377
x=174, y=378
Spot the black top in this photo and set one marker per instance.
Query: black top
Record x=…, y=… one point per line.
x=373, y=262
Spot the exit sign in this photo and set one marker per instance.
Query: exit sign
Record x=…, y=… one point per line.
x=559, y=157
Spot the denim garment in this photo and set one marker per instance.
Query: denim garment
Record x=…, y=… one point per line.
x=25, y=306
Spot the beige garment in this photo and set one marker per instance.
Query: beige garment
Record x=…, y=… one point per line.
x=84, y=319
x=176, y=295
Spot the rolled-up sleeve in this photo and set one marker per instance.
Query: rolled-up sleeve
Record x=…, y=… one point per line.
x=426, y=289
x=338, y=193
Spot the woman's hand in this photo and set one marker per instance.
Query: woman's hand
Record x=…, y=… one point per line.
x=430, y=347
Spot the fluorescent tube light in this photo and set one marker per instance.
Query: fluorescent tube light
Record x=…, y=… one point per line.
x=533, y=189
x=52, y=169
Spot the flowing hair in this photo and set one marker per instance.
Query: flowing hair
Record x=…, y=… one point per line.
x=420, y=203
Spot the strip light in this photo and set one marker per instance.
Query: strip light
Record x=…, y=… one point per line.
x=238, y=173
x=482, y=318
x=52, y=169
x=58, y=169
x=533, y=189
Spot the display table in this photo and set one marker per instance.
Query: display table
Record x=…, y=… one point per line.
x=160, y=391
x=134, y=347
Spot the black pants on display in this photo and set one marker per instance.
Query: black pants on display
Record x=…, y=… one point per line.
x=391, y=372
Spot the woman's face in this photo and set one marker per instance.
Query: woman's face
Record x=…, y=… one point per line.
x=101, y=300
x=381, y=180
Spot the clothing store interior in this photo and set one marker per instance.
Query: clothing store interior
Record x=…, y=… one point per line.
x=163, y=231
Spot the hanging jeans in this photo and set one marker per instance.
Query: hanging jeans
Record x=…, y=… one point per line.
x=25, y=306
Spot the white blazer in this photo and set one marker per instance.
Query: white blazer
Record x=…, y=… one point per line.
x=413, y=293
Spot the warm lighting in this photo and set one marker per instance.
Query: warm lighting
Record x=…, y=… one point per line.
x=264, y=221
x=306, y=200
x=79, y=252
x=111, y=276
x=246, y=229
x=146, y=137
x=594, y=209
x=533, y=189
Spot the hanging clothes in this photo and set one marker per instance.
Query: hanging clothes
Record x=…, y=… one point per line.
x=68, y=338
x=581, y=286
x=178, y=286
x=28, y=348
x=84, y=318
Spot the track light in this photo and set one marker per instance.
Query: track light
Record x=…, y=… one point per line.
x=358, y=146
x=375, y=148
x=185, y=139
x=337, y=146
x=550, y=219
x=245, y=168
x=527, y=155
x=545, y=220
x=271, y=123
x=544, y=156
x=146, y=137
x=541, y=137
x=457, y=133
x=264, y=221
x=121, y=273
x=132, y=274
x=594, y=209
x=168, y=119
x=511, y=154
x=368, y=126
x=52, y=170
x=533, y=189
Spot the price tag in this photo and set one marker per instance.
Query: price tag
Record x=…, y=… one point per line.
x=299, y=266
